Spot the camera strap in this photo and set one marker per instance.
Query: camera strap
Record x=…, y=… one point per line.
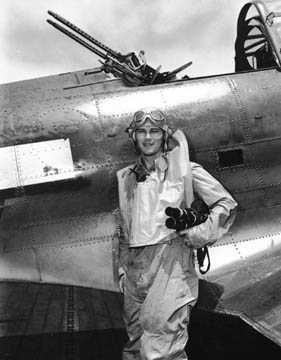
x=201, y=255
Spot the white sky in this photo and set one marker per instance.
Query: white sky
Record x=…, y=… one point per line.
x=172, y=32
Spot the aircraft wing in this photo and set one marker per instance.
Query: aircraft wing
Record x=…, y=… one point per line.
x=245, y=279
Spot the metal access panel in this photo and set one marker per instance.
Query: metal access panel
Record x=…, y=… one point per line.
x=35, y=163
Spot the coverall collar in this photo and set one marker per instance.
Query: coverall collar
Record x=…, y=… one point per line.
x=141, y=172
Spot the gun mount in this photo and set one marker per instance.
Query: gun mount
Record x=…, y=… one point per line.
x=132, y=67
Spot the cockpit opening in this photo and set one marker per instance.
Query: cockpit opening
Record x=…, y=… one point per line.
x=258, y=41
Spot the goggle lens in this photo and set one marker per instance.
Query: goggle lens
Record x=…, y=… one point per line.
x=141, y=115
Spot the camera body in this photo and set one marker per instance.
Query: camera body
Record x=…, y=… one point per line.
x=182, y=219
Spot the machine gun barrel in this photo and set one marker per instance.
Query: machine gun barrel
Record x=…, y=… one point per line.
x=111, y=64
x=77, y=39
x=171, y=74
x=85, y=35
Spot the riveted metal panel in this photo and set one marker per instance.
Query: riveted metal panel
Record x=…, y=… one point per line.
x=268, y=160
x=267, y=153
x=17, y=238
x=75, y=231
x=96, y=270
x=258, y=249
x=90, y=195
x=19, y=266
x=54, y=118
x=45, y=251
x=128, y=102
x=196, y=94
x=44, y=161
x=90, y=153
x=59, y=233
x=266, y=123
x=273, y=195
x=260, y=93
x=207, y=108
x=251, y=198
x=36, y=163
x=214, y=134
x=8, y=168
x=240, y=178
x=259, y=222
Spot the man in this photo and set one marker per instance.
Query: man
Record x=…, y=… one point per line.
x=156, y=265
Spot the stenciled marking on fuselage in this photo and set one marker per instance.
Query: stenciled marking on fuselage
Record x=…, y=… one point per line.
x=36, y=163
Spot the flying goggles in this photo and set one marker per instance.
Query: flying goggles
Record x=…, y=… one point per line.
x=155, y=116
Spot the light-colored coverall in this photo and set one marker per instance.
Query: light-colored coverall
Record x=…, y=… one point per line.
x=160, y=281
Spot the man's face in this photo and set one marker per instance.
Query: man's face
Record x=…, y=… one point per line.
x=149, y=139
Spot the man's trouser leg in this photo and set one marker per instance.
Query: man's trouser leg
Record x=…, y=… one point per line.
x=132, y=310
x=158, y=285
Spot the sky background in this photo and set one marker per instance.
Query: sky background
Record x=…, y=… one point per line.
x=172, y=32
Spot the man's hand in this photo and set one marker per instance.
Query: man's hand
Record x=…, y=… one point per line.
x=184, y=235
x=121, y=283
x=170, y=131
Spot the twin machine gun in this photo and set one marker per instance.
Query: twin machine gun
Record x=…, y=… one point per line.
x=131, y=68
